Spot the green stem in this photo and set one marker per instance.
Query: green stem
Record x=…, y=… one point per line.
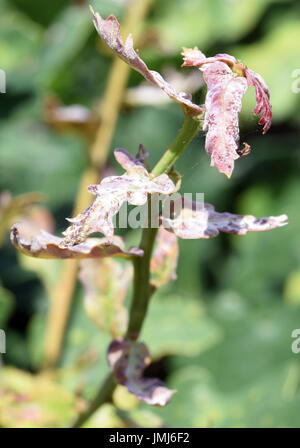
x=141, y=287
x=187, y=133
x=104, y=396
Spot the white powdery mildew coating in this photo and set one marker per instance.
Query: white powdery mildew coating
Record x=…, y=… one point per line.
x=223, y=104
x=111, y=193
x=194, y=221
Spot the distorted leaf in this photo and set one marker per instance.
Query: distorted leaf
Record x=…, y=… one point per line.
x=12, y=209
x=109, y=31
x=223, y=103
x=128, y=361
x=262, y=98
x=197, y=220
x=227, y=80
x=105, y=284
x=42, y=244
x=111, y=193
x=164, y=261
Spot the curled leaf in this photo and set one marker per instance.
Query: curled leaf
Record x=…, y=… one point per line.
x=227, y=80
x=105, y=283
x=111, y=193
x=13, y=208
x=192, y=57
x=198, y=220
x=109, y=31
x=223, y=104
x=262, y=98
x=164, y=261
x=42, y=244
x=128, y=361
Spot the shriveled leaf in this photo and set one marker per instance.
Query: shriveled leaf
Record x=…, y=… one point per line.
x=193, y=57
x=196, y=220
x=109, y=31
x=105, y=284
x=227, y=80
x=42, y=244
x=223, y=104
x=262, y=98
x=111, y=193
x=128, y=361
x=164, y=261
x=13, y=208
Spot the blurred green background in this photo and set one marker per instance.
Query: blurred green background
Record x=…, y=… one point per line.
x=221, y=333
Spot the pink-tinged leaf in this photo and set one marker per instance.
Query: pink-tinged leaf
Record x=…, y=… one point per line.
x=128, y=361
x=192, y=57
x=223, y=103
x=111, y=193
x=109, y=31
x=31, y=241
x=105, y=283
x=195, y=58
x=164, y=261
x=195, y=220
x=262, y=98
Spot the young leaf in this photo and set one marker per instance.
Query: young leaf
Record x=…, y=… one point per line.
x=194, y=57
x=42, y=244
x=128, y=361
x=227, y=80
x=164, y=261
x=109, y=31
x=223, y=103
x=262, y=98
x=111, y=193
x=105, y=282
x=196, y=220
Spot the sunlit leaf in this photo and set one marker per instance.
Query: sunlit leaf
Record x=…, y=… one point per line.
x=111, y=193
x=227, y=80
x=42, y=244
x=109, y=30
x=198, y=220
